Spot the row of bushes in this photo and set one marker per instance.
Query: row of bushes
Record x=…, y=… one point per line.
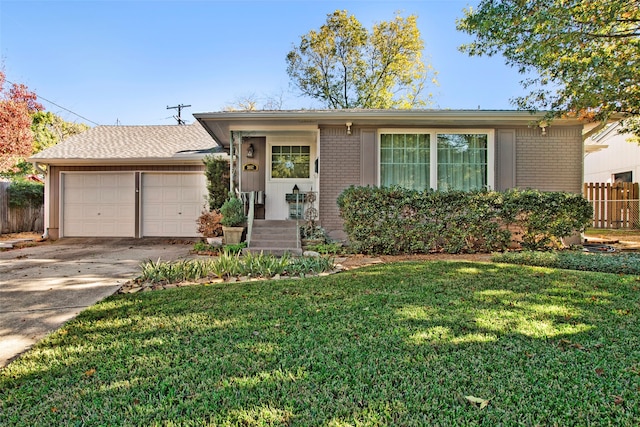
x=394, y=220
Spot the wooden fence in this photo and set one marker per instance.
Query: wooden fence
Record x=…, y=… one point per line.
x=614, y=205
x=16, y=220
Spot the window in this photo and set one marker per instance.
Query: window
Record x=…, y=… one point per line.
x=449, y=160
x=623, y=177
x=404, y=160
x=290, y=161
x=462, y=161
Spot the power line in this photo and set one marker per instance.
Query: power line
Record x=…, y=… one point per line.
x=59, y=106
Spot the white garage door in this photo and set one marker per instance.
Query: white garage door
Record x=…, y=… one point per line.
x=98, y=205
x=171, y=203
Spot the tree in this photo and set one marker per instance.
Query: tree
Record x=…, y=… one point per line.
x=49, y=129
x=16, y=138
x=584, y=55
x=345, y=66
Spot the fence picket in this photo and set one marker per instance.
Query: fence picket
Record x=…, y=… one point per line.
x=614, y=205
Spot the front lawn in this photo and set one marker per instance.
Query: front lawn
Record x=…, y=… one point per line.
x=433, y=343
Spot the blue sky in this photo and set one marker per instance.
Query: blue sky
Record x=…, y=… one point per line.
x=126, y=61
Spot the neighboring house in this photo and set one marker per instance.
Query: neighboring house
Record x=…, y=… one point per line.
x=610, y=158
x=330, y=150
x=126, y=181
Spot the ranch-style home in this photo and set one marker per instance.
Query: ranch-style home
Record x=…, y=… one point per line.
x=136, y=181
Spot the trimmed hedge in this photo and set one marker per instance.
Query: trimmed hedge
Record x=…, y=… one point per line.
x=394, y=220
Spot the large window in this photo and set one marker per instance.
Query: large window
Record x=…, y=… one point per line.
x=290, y=161
x=448, y=160
x=404, y=160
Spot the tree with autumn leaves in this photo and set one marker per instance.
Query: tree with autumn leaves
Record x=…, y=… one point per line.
x=25, y=128
x=17, y=104
x=582, y=57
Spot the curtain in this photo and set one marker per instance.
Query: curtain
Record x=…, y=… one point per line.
x=462, y=161
x=404, y=160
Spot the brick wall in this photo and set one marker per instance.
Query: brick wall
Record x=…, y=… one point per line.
x=549, y=163
x=339, y=169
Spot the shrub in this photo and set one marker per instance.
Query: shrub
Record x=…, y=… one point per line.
x=209, y=223
x=217, y=173
x=393, y=220
x=23, y=193
x=233, y=213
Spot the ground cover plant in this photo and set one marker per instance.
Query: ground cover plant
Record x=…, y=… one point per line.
x=437, y=343
x=229, y=263
x=616, y=263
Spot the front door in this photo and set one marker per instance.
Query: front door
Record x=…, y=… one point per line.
x=252, y=175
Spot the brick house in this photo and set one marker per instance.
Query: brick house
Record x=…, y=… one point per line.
x=326, y=151
x=139, y=181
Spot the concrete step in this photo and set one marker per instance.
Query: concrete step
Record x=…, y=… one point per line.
x=274, y=251
x=275, y=237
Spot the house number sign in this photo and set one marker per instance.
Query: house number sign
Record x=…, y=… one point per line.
x=250, y=167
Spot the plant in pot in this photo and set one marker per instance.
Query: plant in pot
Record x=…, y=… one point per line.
x=312, y=234
x=233, y=220
x=210, y=226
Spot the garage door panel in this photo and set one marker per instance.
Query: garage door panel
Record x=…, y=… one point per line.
x=99, y=205
x=171, y=203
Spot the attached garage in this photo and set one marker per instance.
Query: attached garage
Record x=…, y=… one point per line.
x=98, y=204
x=171, y=202
x=127, y=181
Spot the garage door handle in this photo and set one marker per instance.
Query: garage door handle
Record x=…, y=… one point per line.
x=179, y=213
x=98, y=213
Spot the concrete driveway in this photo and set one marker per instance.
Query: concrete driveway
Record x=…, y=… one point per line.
x=44, y=286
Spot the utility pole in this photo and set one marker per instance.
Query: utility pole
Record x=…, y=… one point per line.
x=179, y=108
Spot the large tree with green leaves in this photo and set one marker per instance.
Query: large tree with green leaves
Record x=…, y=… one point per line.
x=49, y=129
x=581, y=56
x=345, y=66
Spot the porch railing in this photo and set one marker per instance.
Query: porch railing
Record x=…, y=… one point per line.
x=249, y=202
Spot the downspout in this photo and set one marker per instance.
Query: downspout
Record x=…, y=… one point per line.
x=47, y=184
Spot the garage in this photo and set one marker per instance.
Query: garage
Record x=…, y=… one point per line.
x=127, y=181
x=98, y=204
x=171, y=203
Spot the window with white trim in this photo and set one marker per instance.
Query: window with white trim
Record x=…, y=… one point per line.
x=442, y=160
x=290, y=161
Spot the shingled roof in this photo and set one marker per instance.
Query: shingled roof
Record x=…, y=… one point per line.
x=132, y=143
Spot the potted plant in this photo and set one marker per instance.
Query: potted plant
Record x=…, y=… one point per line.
x=312, y=234
x=209, y=225
x=233, y=220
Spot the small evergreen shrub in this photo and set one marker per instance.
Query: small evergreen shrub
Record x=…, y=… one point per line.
x=217, y=173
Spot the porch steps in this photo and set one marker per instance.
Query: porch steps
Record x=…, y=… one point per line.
x=274, y=237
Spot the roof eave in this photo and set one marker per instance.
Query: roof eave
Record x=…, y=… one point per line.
x=190, y=160
x=220, y=124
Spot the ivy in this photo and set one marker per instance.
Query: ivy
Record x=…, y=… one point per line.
x=24, y=193
x=393, y=220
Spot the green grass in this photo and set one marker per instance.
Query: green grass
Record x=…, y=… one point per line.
x=398, y=344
